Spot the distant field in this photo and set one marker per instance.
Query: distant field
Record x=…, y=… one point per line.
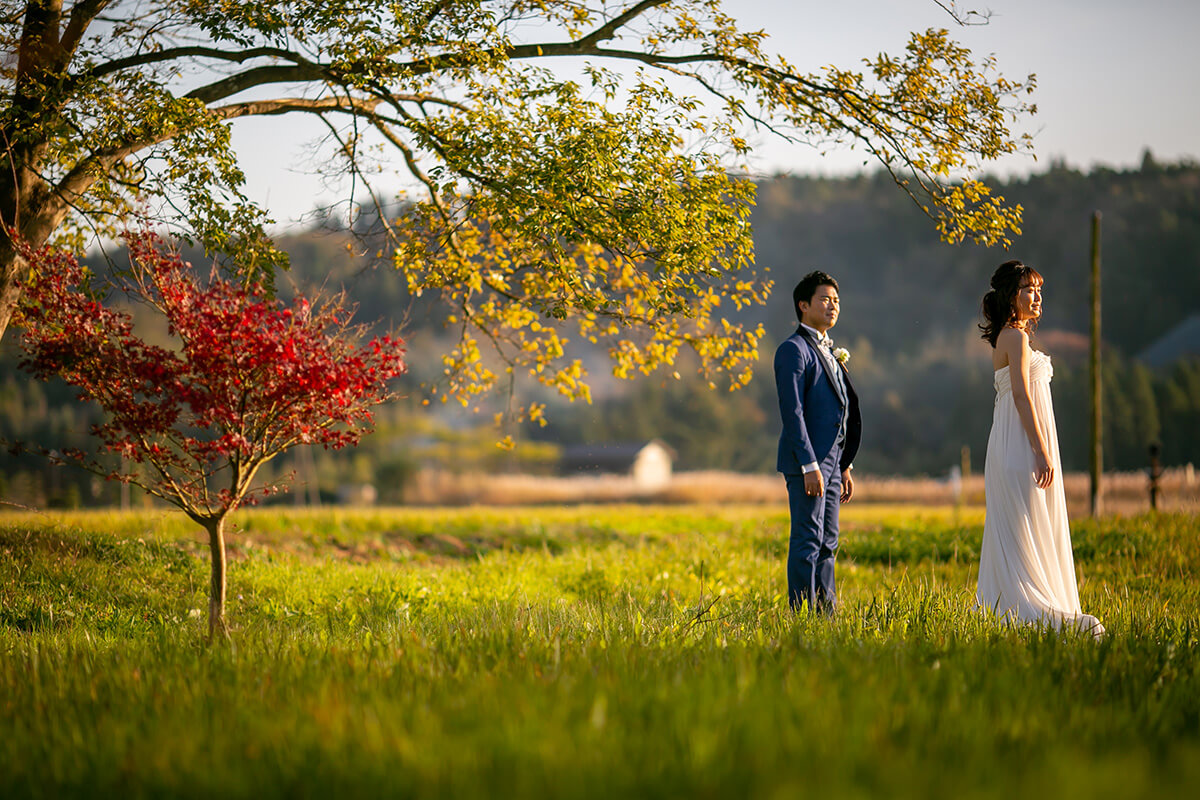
x=584, y=651
x=1124, y=492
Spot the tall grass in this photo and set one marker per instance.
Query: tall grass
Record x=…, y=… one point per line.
x=581, y=653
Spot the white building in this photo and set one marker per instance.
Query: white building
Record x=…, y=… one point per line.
x=649, y=464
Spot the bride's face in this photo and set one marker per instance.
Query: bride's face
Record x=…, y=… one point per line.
x=1029, y=300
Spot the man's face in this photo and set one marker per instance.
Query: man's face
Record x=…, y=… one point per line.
x=822, y=311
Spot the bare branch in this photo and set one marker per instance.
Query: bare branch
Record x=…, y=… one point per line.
x=259, y=76
x=288, y=104
x=609, y=29
x=176, y=53
x=965, y=17
x=349, y=105
x=83, y=14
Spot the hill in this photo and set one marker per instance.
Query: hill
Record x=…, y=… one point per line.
x=909, y=310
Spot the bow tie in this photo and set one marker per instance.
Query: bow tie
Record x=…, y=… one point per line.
x=825, y=341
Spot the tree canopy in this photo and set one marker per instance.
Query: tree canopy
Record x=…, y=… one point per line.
x=604, y=192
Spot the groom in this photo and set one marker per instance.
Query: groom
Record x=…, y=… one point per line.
x=821, y=432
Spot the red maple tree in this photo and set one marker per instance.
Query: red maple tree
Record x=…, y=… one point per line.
x=248, y=377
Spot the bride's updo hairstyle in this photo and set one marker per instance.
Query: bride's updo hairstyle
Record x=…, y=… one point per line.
x=999, y=304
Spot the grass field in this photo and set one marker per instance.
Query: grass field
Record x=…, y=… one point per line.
x=584, y=652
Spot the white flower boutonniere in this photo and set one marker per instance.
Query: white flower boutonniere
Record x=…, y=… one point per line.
x=841, y=354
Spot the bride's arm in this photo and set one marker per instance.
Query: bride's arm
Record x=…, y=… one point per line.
x=1015, y=344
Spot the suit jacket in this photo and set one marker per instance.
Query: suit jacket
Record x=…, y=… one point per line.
x=811, y=406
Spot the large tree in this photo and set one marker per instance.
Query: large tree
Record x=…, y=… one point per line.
x=605, y=192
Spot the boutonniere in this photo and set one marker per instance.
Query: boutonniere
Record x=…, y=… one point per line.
x=841, y=354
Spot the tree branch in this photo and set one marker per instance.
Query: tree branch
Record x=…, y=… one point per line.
x=437, y=9
x=969, y=18
x=349, y=105
x=285, y=105
x=83, y=14
x=174, y=53
x=610, y=28
x=259, y=76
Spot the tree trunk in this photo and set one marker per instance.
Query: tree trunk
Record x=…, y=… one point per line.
x=50, y=212
x=12, y=268
x=30, y=117
x=30, y=210
x=33, y=211
x=38, y=53
x=216, y=597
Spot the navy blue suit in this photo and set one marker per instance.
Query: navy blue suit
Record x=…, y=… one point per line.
x=821, y=424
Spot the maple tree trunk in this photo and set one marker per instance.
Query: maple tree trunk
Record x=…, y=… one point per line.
x=216, y=597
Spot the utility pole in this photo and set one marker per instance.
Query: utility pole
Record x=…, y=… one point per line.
x=1155, y=474
x=1096, y=451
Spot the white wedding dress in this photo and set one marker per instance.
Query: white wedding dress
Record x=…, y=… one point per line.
x=1026, y=569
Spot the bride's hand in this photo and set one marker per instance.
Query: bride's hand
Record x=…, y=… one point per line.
x=1043, y=473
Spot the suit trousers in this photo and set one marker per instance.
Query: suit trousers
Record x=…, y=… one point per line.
x=812, y=547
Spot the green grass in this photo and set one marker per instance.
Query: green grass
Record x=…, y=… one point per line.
x=581, y=653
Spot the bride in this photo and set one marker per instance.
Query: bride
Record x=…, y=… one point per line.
x=1026, y=569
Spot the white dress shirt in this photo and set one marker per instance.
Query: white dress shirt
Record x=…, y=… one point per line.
x=823, y=340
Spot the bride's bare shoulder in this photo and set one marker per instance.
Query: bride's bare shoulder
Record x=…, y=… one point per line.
x=1011, y=337
x=1008, y=347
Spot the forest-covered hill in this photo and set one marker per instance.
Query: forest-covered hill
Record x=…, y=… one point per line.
x=901, y=285
x=909, y=309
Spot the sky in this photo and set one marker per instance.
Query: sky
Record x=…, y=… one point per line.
x=1114, y=78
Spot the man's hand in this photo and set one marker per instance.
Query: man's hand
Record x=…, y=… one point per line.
x=814, y=484
x=847, y=486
